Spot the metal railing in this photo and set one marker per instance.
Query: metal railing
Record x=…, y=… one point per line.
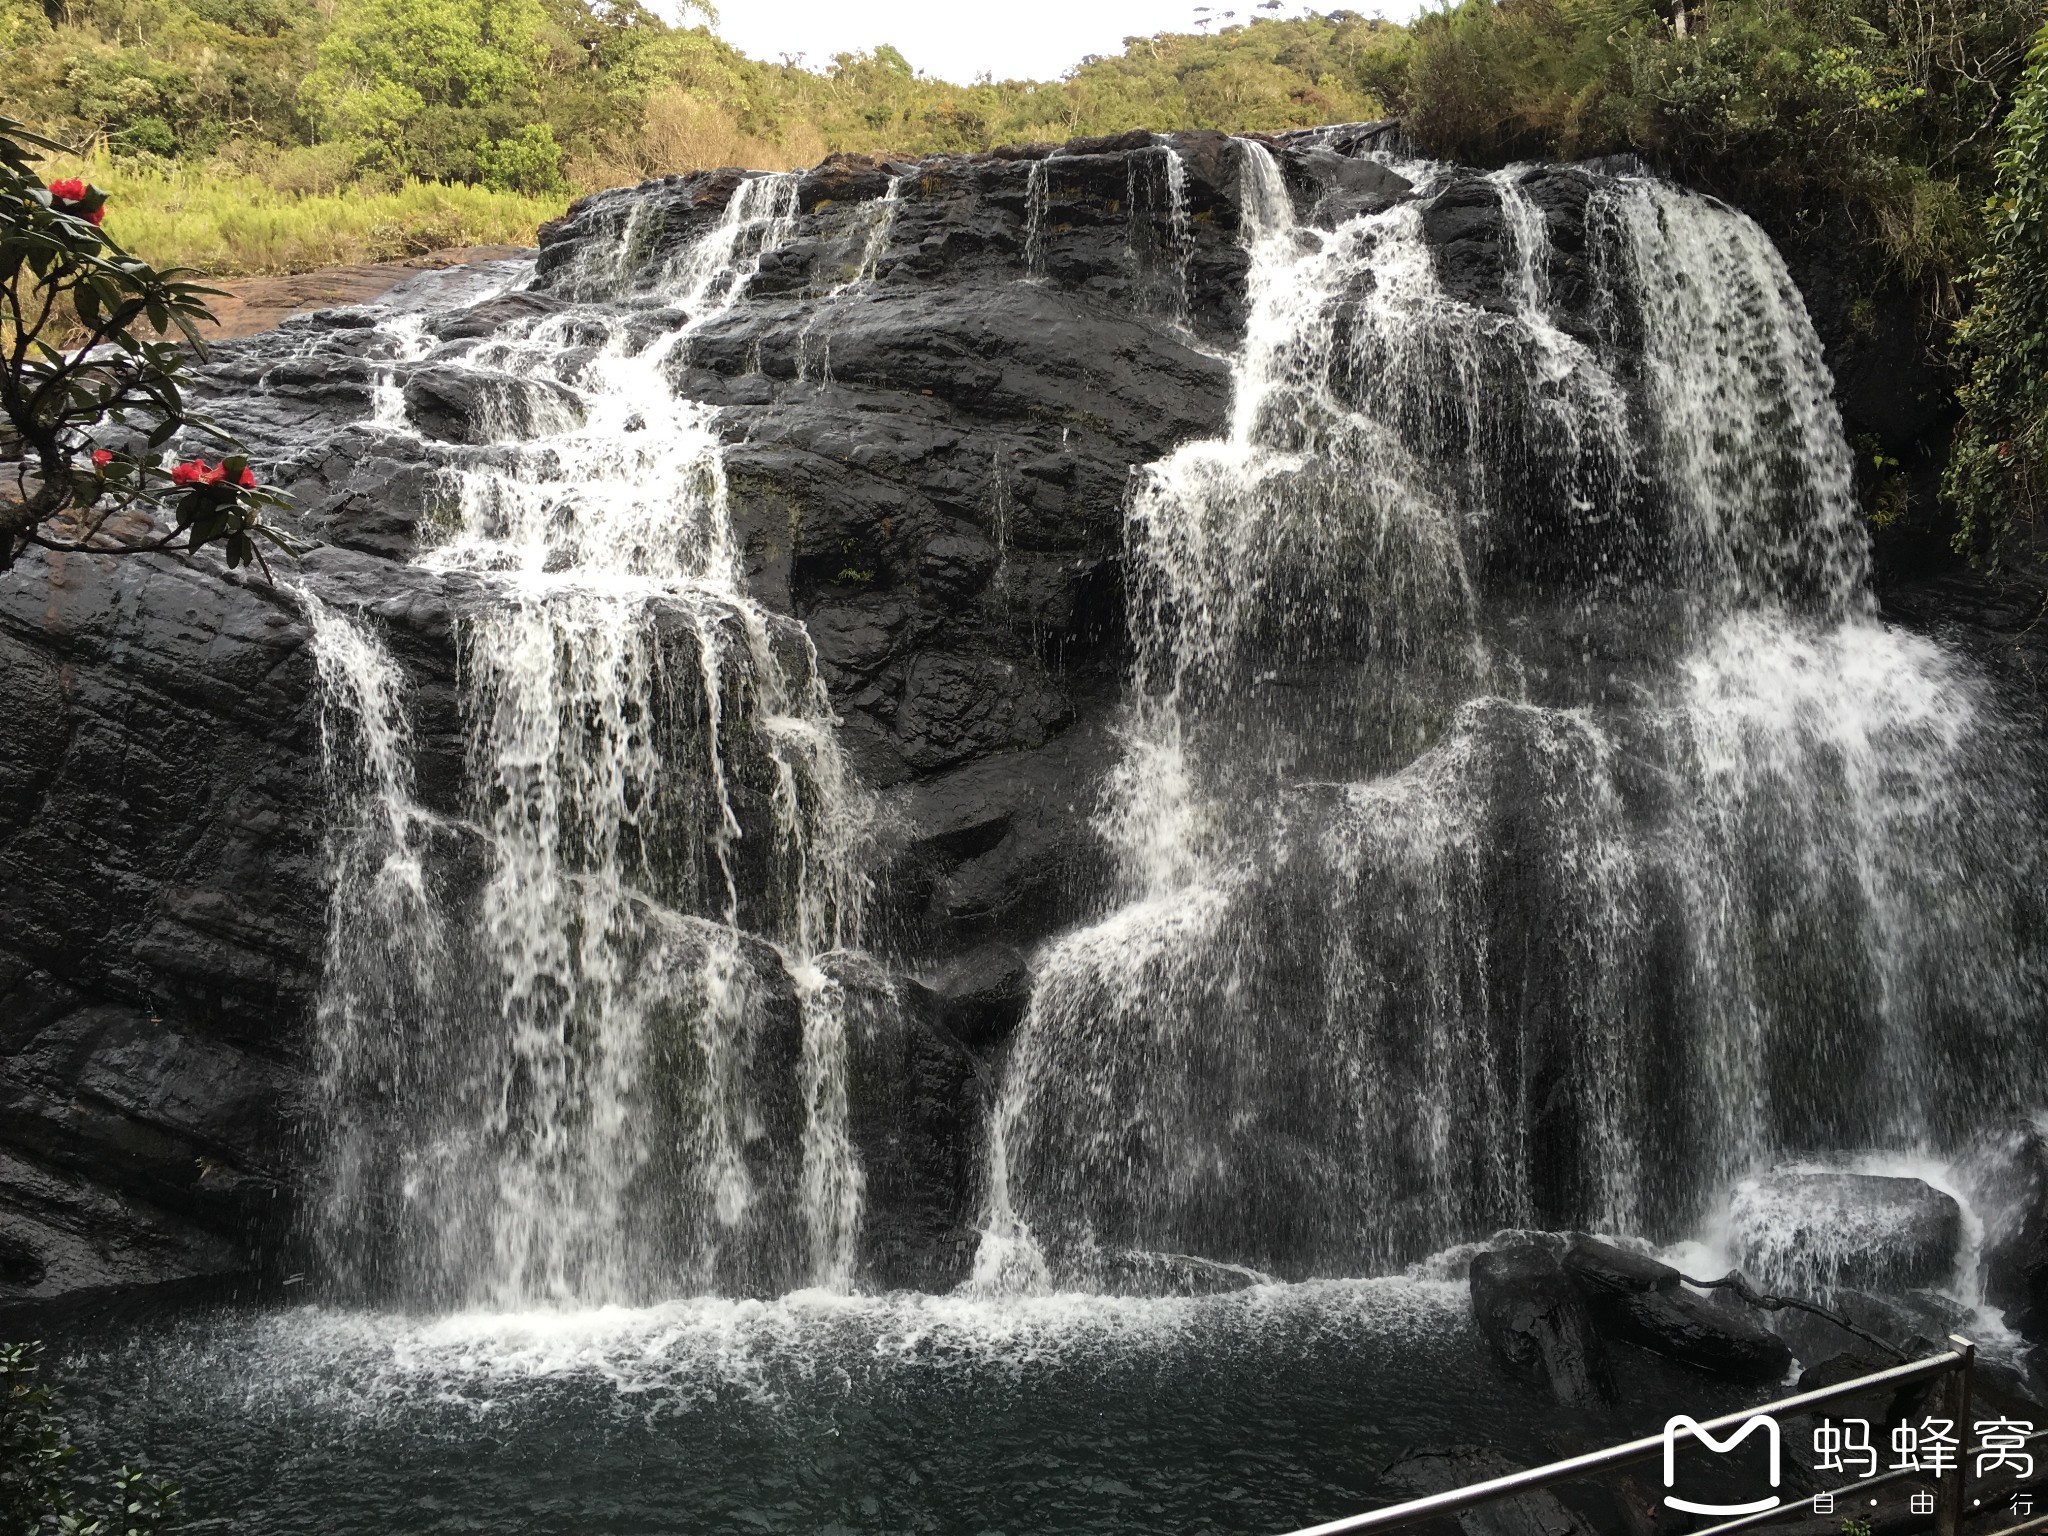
x=1954, y=1367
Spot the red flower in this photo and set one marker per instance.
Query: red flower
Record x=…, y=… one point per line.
x=101, y=458
x=71, y=191
x=199, y=472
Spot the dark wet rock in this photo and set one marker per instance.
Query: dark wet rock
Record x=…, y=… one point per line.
x=463, y=406
x=1463, y=224
x=954, y=567
x=1536, y=1322
x=917, y=1098
x=1000, y=848
x=133, y=1154
x=1339, y=187
x=493, y=316
x=1683, y=1326
x=950, y=709
x=981, y=996
x=1605, y=1269
x=1898, y=1318
x=1812, y=1232
x=1994, y=621
x=1844, y=1366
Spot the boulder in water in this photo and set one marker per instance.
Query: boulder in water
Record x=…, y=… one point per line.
x=1635, y=1298
x=1810, y=1233
x=1532, y=1315
x=460, y=405
x=1685, y=1327
x=1603, y=1269
x=1899, y=1320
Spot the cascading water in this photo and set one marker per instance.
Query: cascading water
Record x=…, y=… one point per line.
x=1156, y=184
x=1037, y=198
x=1524, y=818
x=600, y=1088
x=877, y=222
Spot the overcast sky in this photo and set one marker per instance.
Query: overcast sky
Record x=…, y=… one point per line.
x=960, y=39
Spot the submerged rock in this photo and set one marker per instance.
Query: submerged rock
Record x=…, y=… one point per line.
x=1420, y=1473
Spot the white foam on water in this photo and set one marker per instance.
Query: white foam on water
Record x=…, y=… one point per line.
x=688, y=1354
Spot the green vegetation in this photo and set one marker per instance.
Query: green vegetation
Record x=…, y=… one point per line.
x=1998, y=468
x=1880, y=115
x=42, y=1488
x=220, y=219
x=92, y=387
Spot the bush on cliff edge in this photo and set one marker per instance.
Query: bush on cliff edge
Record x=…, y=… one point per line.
x=1998, y=469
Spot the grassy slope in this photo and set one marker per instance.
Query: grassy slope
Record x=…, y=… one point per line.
x=231, y=224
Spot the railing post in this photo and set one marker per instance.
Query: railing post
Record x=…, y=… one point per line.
x=1949, y=1505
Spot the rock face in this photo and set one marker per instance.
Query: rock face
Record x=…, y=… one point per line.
x=933, y=407
x=162, y=894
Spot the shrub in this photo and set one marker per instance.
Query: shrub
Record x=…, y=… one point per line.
x=1998, y=470
x=91, y=392
x=42, y=1487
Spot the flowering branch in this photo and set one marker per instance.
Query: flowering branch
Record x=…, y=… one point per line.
x=73, y=359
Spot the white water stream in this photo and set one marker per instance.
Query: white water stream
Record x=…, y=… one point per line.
x=655, y=776
x=1435, y=924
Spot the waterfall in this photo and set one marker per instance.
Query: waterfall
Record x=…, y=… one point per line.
x=633, y=1094
x=1156, y=192
x=875, y=222
x=1036, y=199
x=1456, y=899
x=1520, y=815
x=387, y=941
